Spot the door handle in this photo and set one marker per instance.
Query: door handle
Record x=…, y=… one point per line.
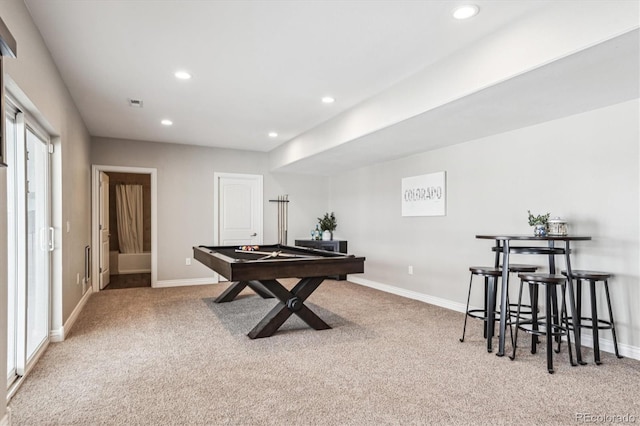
x=254, y=235
x=52, y=234
x=46, y=239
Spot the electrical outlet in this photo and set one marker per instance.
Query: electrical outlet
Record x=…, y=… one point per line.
x=187, y=261
x=78, y=278
x=410, y=270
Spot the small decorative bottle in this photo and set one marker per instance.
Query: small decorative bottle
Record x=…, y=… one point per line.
x=316, y=233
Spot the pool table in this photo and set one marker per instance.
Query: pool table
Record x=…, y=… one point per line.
x=260, y=267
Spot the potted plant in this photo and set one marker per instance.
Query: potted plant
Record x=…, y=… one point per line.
x=539, y=223
x=327, y=224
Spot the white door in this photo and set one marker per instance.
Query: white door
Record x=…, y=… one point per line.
x=239, y=209
x=40, y=243
x=30, y=242
x=104, y=230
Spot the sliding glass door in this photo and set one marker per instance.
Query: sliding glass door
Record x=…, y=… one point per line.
x=12, y=261
x=30, y=243
x=39, y=243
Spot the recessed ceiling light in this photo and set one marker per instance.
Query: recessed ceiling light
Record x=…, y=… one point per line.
x=273, y=135
x=465, y=12
x=166, y=122
x=328, y=100
x=182, y=75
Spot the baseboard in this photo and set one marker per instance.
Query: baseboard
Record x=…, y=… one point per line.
x=586, y=339
x=607, y=346
x=184, y=282
x=133, y=271
x=437, y=301
x=59, y=334
x=6, y=419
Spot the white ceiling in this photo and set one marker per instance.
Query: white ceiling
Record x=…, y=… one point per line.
x=262, y=66
x=602, y=75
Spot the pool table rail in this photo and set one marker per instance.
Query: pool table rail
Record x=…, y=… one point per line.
x=316, y=263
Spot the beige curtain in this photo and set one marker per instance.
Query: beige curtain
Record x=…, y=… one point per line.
x=129, y=217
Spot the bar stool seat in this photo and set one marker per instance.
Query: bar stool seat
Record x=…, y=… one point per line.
x=490, y=275
x=544, y=326
x=519, y=267
x=596, y=323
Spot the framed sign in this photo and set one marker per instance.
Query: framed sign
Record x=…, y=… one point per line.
x=424, y=195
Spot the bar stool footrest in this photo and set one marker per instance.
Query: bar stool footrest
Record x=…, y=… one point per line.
x=481, y=315
x=524, y=309
x=588, y=321
x=556, y=330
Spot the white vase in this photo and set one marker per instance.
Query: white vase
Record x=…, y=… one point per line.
x=540, y=230
x=326, y=235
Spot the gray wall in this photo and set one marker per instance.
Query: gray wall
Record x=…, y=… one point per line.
x=185, y=195
x=583, y=168
x=34, y=80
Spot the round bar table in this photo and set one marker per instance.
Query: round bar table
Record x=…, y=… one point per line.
x=503, y=247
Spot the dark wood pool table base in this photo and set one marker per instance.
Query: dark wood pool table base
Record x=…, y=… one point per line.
x=310, y=266
x=290, y=302
x=235, y=288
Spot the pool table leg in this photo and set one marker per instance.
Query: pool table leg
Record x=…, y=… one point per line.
x=235, y=288
x=291, y=302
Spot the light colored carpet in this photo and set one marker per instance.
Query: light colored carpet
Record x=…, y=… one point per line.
x=171, y=357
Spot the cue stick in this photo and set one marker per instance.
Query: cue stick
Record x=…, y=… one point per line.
x=283, y=218
x=281, y=204
x=286, y=218
x=271, y=254
x=279, y=219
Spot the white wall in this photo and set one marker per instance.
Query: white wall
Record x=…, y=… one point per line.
x=583, y=168
x=185, y=196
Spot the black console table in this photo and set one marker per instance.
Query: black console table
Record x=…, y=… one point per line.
x=339, y=246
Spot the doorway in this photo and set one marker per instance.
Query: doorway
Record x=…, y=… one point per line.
x=114, y=267
x=126, y=247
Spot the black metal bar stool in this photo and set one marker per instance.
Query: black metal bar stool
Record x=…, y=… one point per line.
x=596, y=323
x=518, y=268
x=525, y=310
x=491, y=276
x=550, y=251
x=546, y=325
